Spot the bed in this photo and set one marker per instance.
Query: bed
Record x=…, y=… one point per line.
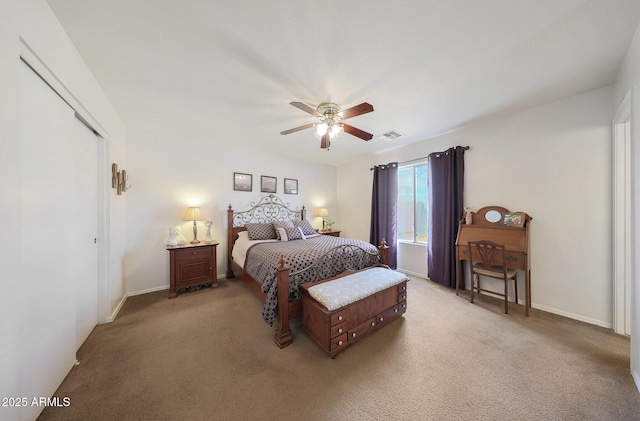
x=256, y=257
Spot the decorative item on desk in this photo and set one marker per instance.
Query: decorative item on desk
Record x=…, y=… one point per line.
x=208, y=238
x=194, y=214
x=468, y=217
x=515, y=219
x=175, y=237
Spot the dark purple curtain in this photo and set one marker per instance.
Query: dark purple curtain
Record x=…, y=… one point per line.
x=445, y=185
x=384, y=208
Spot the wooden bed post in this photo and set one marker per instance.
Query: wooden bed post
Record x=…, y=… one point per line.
x=283, y=335
x=384, y=252
x=229, y=240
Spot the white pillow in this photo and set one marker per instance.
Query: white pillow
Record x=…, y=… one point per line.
x=282, y=234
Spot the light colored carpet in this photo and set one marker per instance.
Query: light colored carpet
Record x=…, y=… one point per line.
x=208, y=355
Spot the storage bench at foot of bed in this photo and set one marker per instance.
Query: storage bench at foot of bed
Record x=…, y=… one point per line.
x=340, y=311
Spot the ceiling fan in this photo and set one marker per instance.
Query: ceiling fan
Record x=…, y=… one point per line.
x=330, y=121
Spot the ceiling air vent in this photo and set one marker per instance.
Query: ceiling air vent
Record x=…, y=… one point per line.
x=391, y=135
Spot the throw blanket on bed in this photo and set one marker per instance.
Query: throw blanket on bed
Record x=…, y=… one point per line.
x=262, y=260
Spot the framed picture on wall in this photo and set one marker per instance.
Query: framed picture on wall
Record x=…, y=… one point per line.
x=242, y=181
x=290, y=186
x=268, y=184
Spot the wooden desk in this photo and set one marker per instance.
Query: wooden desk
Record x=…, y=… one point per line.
x=515, y=239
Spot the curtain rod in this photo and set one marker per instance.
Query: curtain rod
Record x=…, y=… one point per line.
x=466, y=148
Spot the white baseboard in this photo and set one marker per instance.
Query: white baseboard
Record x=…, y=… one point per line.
x=574, y=316
x=116, y=310
x=147, y=291
x=408, y=272
x=636, y=377
x=161, y=288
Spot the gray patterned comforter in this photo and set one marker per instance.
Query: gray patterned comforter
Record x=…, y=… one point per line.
x=262, y=260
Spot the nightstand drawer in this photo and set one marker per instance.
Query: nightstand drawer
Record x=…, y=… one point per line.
x=193, y=253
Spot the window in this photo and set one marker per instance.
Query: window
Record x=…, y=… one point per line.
x=412, y=202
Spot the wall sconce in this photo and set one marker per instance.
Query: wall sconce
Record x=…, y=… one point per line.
x=119, y=179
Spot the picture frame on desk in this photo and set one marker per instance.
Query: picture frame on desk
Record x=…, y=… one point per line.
x=515, y=219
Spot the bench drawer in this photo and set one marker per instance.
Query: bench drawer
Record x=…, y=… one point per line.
x=390, y=314
x=339, y=329
x=339, y=316
x=361, y=330
x=339, y=342
x=402, y=292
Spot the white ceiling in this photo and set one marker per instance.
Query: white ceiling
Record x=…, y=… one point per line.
x=227, y=70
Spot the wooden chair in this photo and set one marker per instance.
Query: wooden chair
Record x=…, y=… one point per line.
x=488, y=259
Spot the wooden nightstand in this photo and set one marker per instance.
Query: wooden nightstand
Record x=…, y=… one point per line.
x=331, y=232
x=191, y=266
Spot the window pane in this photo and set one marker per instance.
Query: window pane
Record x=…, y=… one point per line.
x=405, y=203
x=421, y=204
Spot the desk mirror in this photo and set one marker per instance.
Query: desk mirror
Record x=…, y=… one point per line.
x=493, y=216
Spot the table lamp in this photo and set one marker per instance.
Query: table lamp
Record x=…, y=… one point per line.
x=324, y=213
x=194, y=214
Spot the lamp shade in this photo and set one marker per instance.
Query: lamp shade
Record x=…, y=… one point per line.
x=324, y=212
x=193, y=214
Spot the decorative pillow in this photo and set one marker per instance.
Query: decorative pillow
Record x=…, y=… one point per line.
x=281, y=224
x=307, y=229
x=304, y=237
x=261, y=231
x=294, y=233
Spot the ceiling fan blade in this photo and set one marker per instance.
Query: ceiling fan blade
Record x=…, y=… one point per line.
x=363, y=108
x=295, y=129
x=307, y=109
x=325, y=141
x=357, y=132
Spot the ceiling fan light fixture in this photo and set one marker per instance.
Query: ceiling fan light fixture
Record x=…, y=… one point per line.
x=321, y=129
x=335, y=130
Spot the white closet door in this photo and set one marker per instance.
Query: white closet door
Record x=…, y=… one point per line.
x=86, y=257
x=58, y=300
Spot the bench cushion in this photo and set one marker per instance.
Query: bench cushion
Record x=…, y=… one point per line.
x=351, y=288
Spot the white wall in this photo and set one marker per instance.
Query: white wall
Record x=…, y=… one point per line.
x=33, y=21
x=629, y=81
x=553, y=162
x=166, y=173
x=412, y=259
